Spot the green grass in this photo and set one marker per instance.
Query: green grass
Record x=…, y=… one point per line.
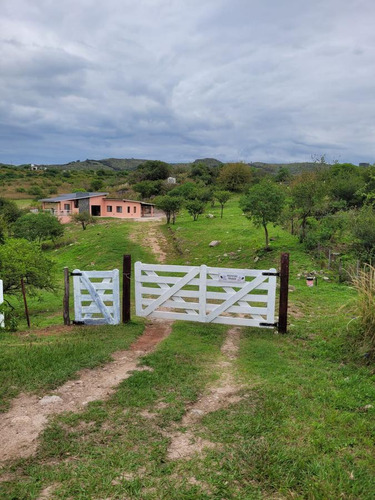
x=35, y=363
x=99, y=247
x=25, y=203
x=304, y=428
x=113, y=437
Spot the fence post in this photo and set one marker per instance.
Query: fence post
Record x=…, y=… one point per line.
x=2, y=324
x=126, y=275
x=25, y=302
x=66, y=314
x=284, y=288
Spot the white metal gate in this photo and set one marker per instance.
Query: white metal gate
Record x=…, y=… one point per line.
x=96, y=297
x=206, y=294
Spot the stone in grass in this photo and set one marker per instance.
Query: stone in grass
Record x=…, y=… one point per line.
x=48, y=400
x=210, y=216
x=214, y=243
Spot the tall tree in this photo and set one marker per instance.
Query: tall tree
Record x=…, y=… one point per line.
x=222, y=197
x=38, y=227
x=307, y=197
x=235, y=176
x=170, y=205
x=83, y=218
x=195, y=208
x=24, y=259
x=263, y=204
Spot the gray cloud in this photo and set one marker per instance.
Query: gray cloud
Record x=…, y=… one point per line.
x=175, y=80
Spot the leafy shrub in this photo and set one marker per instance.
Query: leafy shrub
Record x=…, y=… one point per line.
x=38, y=227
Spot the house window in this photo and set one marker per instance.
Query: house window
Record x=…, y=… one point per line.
x=75, y=203
x=109, y=208
x=128, y=210
x=119, y=210
x=135, y=210
x=66, y=206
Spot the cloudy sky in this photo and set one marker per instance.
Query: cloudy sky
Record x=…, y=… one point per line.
x=176, y=80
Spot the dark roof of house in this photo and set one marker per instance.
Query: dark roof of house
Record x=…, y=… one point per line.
x=72, y=196
x=131, y=201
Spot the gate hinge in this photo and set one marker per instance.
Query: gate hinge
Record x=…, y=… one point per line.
x=75, y=274
x=78, y=322
x=269, y=273
x=275, y=325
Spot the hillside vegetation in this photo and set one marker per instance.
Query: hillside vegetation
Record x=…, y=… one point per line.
x=301, y=421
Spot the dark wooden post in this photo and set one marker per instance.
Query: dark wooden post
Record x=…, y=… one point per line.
x=66, y=315
x=284, y=288
x=126, y=272
x=25, y=302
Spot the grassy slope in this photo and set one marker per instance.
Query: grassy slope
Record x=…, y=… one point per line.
x=35, y=363
x=301, y=431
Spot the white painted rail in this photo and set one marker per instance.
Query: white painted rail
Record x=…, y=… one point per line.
x=243, y=297
x=2, y=324
x=96, y=297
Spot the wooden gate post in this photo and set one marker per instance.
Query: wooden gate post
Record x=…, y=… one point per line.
x=284, y=288
x=126, y=273
x=66, y=314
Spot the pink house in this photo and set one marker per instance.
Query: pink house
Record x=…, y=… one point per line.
x=97, y=204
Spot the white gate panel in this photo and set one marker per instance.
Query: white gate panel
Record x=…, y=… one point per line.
x=96, y=297
x=206, y=294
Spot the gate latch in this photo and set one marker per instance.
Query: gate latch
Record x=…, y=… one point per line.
x=269, y=324
x=75, y=274
x=269, y=273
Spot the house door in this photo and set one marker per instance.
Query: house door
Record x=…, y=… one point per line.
x=95, y=210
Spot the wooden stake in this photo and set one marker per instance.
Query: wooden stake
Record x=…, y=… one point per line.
x=25, y=302
x=284, y=289
x=66, y=314
x=126, y=272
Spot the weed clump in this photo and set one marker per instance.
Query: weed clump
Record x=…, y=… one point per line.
x=364, y=283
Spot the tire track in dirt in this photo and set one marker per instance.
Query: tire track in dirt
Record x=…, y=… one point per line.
x=149, y=235
x=220, y=395
x=28, y=415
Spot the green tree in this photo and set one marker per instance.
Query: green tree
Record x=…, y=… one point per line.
x=195, y=208
x=346, y=183
x=202, y=172
x=83, y=218
x=146, y=189
x=283, y=175
x=363, y=230
x=38, y=227
x=307, y=197
x=235, y=176
x=9, y=211
x=222, y=197
x=24, y=259
x=151, y=170
x=263, y=204
x=96, y=184
x=170, y=206
x=187, y=191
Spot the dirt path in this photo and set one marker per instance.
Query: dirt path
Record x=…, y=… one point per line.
x=223, y=393
x=149, y=235
x=28, y=415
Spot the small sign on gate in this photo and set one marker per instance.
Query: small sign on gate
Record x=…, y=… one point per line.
x=232, y=277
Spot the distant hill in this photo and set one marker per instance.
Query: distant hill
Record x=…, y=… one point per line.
x=105, y=164
x=294, y=168
x=123, y=164
x=210, y=162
